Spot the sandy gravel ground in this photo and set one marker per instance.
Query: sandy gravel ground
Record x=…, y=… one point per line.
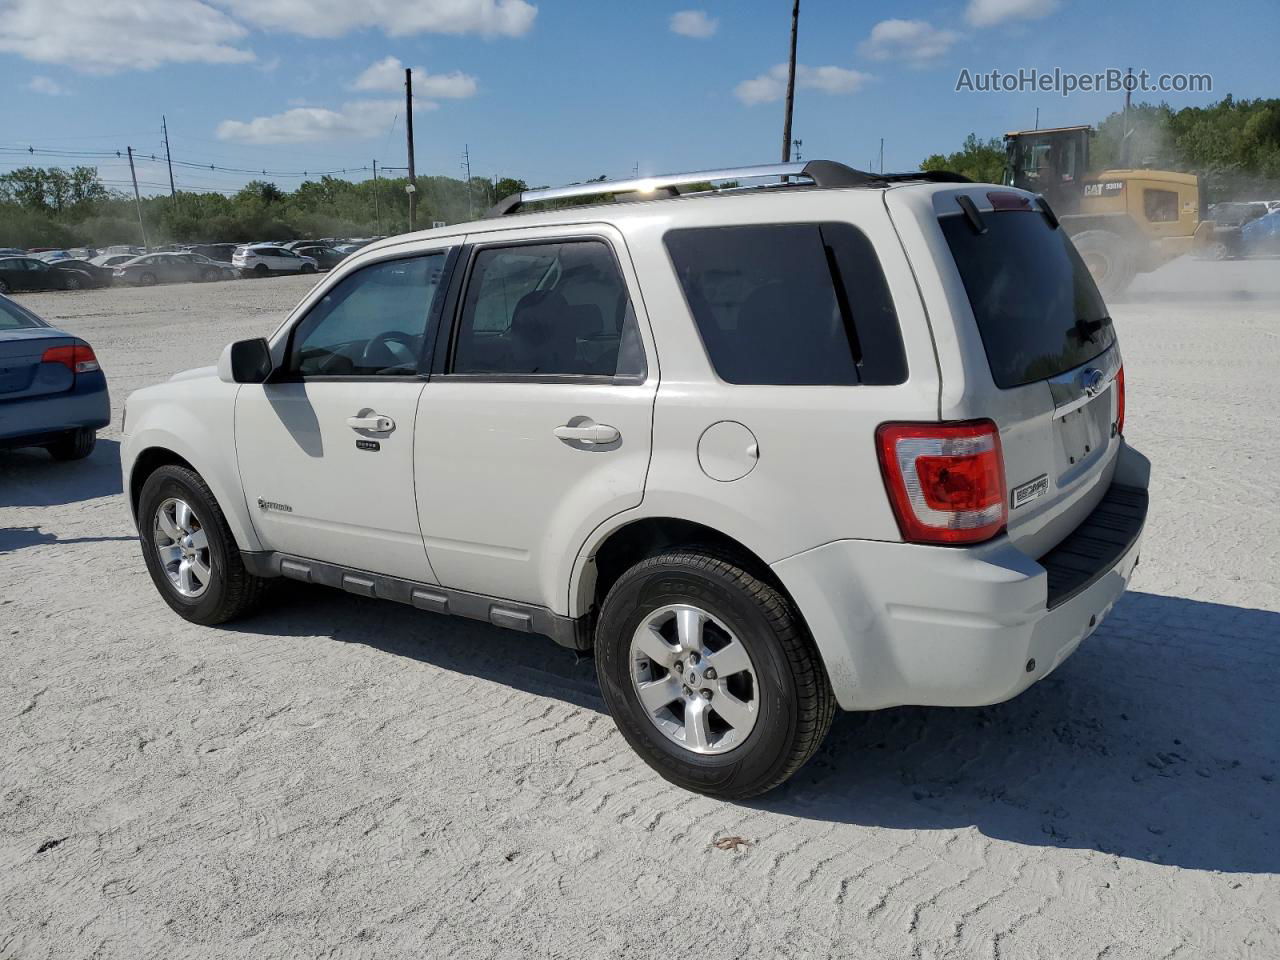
x=344, y=778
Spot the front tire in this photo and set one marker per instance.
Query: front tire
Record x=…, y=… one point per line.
x=1109, y=259
x=74, y=445
x=308, y=268
x=189, y=549
x=710, y=674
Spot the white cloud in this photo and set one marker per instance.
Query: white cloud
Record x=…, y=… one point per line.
x=772, y=86
x=48, y=86
x=92, y=36
x=694, y=23
x=988, y=13
x=361, y=120
x=915, y=41
x=388, y=75
x=398, y=18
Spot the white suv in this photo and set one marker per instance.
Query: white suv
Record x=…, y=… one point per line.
x=843, y=440
x=258, y=260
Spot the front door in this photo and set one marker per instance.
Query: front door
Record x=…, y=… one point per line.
x=535, y=427
x=326, y=446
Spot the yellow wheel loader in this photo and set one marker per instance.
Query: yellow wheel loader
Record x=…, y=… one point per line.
x=1124, y=221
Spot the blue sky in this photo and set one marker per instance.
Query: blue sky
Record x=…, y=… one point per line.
x=554, y=92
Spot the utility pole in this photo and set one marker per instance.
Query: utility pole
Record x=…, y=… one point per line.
x=791, y=84
x=466, y=166
x=137, y=198
x=797, y=144
x=377, y=215
x=173, y=193
x=882, y=154
x=1127, y=97
x=408, y=125
x=1037, y=118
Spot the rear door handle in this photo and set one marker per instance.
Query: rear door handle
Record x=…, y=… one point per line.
x=588, y=432
x=373, y=423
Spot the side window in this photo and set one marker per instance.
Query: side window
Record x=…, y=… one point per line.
x=1160, y=206
x=372, y=323
x=548, y=309
x=800, y=303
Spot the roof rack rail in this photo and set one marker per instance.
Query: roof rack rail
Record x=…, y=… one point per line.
x=819, y=173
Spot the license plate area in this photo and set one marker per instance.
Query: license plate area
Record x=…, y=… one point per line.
x=1081, y=437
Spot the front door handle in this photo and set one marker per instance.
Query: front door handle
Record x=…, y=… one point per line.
x=372, y=423
x=588, y=432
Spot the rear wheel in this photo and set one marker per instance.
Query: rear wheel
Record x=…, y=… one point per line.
x=147, y=280
x=74, y=445
x=260, y=270
x=710, y=674
x=189, y=549
x=1109, y=259
x=71, y=283
x=210, y=275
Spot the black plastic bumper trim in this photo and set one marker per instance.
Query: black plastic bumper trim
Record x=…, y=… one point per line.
x=1097, y=545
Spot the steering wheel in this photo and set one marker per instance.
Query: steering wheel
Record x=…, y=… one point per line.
x=391, y=348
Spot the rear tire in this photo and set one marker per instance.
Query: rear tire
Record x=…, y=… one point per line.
x=147, y=280
x=209, y=276
x=1109, y=259
x=74, y=445
x=227, y=590
x=71, y=283
x=776, y=669
x=261, y=270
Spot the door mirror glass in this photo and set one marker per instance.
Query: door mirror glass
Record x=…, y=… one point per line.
x=245, y=361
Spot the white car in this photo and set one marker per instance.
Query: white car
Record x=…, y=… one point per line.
x=843, y=440
x=259, y=260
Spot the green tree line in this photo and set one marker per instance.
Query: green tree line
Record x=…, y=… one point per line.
x=51, y=207
x=1233, y=144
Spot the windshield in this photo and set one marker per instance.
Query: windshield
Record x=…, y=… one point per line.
x=1038, y=310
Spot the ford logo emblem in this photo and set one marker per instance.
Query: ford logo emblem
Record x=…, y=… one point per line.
x=1092, y=381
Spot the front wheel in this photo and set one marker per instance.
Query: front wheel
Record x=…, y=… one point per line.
x=308, y=268
x=210, y=275
x=1109, y=258
x=4, y=286
x=710, y=674
x=189, y=549
x=71, y=283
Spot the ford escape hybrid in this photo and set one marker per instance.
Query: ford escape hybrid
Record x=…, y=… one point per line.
x=818, y=438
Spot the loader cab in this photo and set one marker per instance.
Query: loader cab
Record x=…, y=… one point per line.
x=1051, y=162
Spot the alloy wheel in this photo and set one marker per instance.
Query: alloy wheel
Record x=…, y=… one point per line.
x=694, y=678
x=183, y=548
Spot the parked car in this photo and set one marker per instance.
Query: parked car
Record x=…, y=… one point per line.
x=12, y=252
x=221, y=252
x=49, y=256
x=111, y=259
x=853, y=440
x=259, y=260
x=88, y=273
x=156, y=268
x=326, y=258
x=28, y=273
x=53, y=393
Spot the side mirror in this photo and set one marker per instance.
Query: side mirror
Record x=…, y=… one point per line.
x=245, y=361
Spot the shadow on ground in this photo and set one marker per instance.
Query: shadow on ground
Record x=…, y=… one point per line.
x=1156, y=741
x=31, y=478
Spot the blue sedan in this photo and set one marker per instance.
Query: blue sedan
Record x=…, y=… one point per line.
x=53, y=394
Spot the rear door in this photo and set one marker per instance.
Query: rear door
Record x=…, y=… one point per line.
x=535, y=427
x=1036, y=352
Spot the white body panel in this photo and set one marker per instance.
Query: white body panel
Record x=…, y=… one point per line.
x=321, y=496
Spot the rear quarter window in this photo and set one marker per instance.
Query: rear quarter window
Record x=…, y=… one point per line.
x=1038, y=310
x=790, y=304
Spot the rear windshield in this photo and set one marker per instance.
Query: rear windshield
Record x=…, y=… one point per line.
x=1038, y=310
x=13, y=317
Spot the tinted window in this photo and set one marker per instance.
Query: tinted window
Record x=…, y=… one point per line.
x=801, y=303
x=1160, y=206
x=13, y=317
x=548, y=309
x=372, y=323
x=1038, y=310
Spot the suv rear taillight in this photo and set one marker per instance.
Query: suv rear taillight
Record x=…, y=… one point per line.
x=77, y=359
x=1120, y=401
x=945, y=480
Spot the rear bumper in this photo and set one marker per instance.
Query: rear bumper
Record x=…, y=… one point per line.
x=40, y=419
x=901, y=624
